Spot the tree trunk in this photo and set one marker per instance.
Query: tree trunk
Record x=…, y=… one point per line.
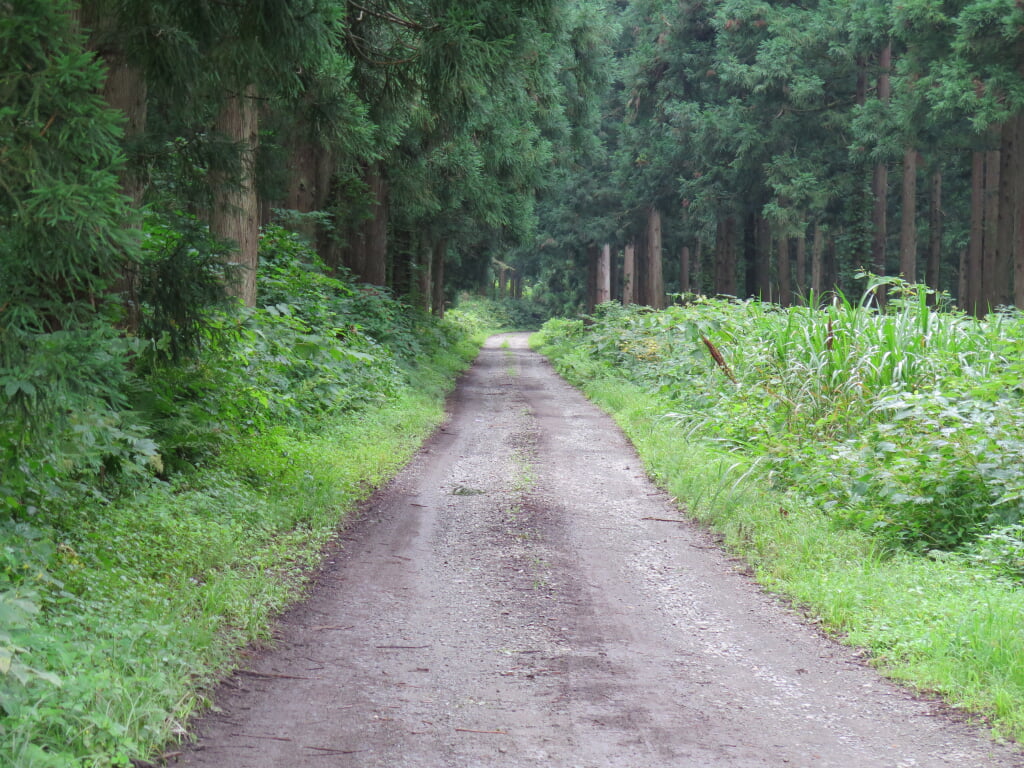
x=654, y=280
x=725, y=257
x=962, y=285
x=785, y=276
x=763, y=254
x=684, y=270
x=377, y=251
x=502, y=289
x=124, y=90
x=880, y=178
x=934, y=262
x=989, y=269
x=424, y=256
x=365, y=246
x=879, y=191
x=698, y=268
x=1018, y=235
x=750, y=258
x=604, y=275
x=437, y=277
x=830, y=264
x=629, y=275
x=908, y=221
x=1007, y=214
x=311, y=168
x=593, y=256
x=817, y=257
x=235, y=214
x=801, y=265
x=975, y=271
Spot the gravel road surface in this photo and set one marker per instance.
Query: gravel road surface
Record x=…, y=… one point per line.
x=515, y=598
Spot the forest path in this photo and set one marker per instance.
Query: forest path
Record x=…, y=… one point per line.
x=516, y=598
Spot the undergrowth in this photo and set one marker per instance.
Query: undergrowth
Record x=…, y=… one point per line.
x=130, y=579
x=866, y=464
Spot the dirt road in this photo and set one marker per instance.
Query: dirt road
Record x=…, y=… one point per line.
x=508, y=601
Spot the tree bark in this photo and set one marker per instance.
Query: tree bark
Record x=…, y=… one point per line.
x=593, y=256
x=880, y=178
x=990, y=255
x=698, y=267
x=235, y=214
x=908, y=221
x=424, y=256
x=377, y=247
x=437, y=277
x=654, y=279
x=629, y=275
x=604, y=275
x=308, y=183
x=763, y=254
x=502, y=288
x=830, y=264
x=1007, y=215
x=817, y=257
x=684, y=270
x=801, y=265
x=750, y=256
x=975, y=271
x=784, y=269
x=725, y=257
x=1018, y=235
x=126, y=91
x=934, y=262
x=364, y=248
x=961, y=277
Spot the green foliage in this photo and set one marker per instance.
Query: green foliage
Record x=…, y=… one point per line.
x=61, y=213
x=900, y=423
x=317, y=345
x=181, y=285
x=62, y=243
x=499, y=314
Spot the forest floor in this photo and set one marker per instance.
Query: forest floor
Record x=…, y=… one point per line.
x=522, y=595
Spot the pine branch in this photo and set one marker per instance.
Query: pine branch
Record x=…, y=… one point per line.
x=392, y=18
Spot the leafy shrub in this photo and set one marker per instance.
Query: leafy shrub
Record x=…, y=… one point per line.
x=504, y=314
x=305, y=351
x=181, y=278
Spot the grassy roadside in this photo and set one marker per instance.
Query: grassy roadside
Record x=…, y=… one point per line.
x=936, y=625
x=150, y=602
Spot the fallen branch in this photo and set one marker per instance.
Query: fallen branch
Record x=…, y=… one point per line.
x=719, y=360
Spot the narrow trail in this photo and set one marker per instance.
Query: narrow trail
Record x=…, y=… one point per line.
x=512, y=599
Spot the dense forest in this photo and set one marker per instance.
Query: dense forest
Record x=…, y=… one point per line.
x=772, y=149
x=226, y=225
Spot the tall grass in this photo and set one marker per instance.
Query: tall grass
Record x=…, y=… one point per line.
x=903, y=423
